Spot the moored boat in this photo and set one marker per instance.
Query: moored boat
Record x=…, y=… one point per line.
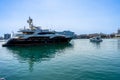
x=36, y=36
x=96, y=39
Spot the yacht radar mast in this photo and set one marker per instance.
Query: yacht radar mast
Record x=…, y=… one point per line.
x=30, y=22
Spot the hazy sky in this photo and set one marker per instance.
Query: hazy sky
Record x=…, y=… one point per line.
x=79, y=16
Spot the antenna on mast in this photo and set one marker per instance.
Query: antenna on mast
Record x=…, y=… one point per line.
x=30, y=22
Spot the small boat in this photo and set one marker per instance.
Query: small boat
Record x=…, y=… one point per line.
x=96, y=39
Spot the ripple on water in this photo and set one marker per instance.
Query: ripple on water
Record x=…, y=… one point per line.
x=80, y=60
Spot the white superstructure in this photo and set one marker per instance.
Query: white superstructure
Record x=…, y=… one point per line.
x=35, y=31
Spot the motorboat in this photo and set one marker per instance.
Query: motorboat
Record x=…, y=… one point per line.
x=96, y=39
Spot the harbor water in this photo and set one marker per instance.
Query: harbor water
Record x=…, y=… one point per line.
x=79, y=60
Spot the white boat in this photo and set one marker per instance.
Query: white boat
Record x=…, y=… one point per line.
x=96, y=39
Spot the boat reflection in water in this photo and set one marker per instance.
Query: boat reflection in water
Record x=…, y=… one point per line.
x=96, y=44
x=118, y=43
x=31, y=54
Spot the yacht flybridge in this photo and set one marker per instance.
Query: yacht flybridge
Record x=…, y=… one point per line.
x=36, y=36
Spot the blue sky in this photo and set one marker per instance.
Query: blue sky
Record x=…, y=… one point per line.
x=79, y=16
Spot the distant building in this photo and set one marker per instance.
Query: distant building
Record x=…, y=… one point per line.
x=118, y=33
x=93, y=35
x=1, y=38
x=102, y=35
x=7, y=36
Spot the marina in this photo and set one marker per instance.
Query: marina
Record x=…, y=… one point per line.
x=60, y=40
x=79, y=60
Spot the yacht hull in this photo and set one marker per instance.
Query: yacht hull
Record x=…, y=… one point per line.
x=33, y=41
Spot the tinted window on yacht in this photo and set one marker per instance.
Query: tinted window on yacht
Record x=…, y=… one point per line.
x=28, y=33
x=46, y=33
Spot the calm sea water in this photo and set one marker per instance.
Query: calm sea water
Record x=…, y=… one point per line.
x=80, y=60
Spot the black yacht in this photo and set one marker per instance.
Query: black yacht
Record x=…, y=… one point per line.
x=36, y=36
